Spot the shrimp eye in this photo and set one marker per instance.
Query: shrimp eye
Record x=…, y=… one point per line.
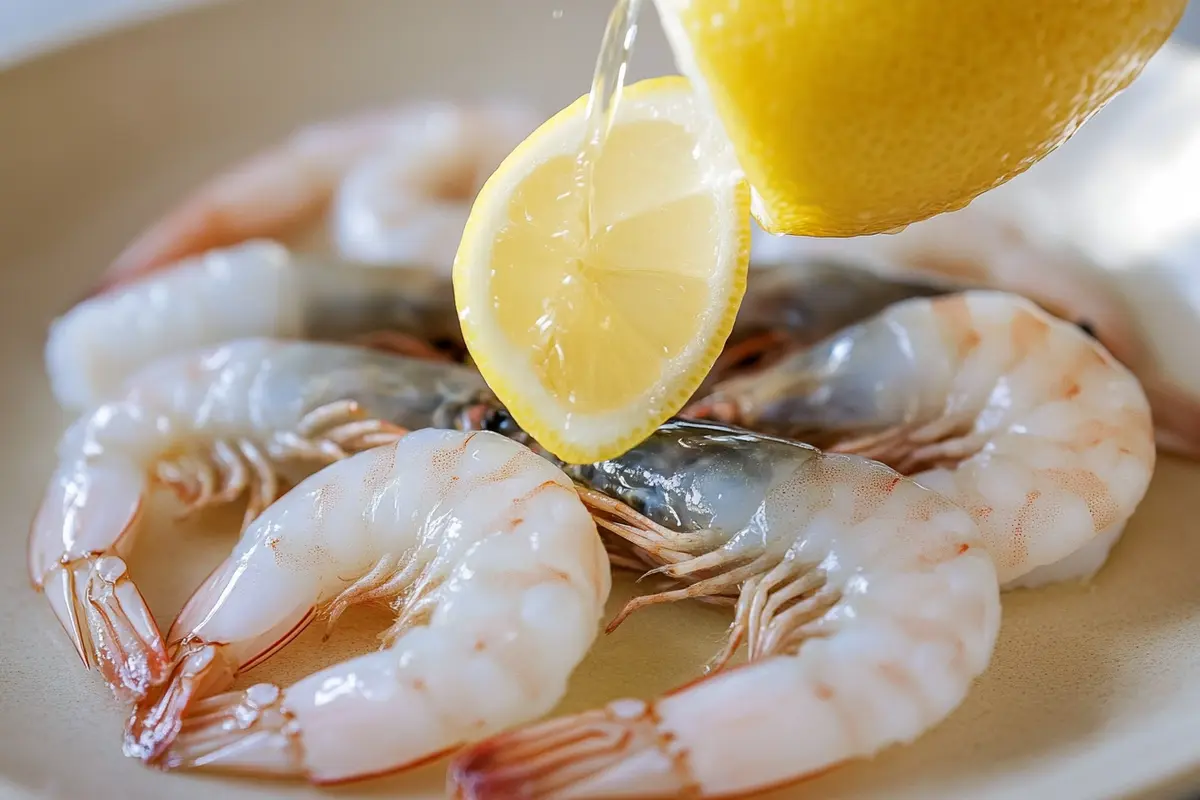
x=1086, y=327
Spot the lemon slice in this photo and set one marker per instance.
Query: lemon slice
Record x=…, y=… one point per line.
x=592, y=342
x=861, y=116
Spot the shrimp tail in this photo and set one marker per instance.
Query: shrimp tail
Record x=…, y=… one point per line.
x=90, y=513
x=158, y=718
x=246, y=731
x=109, y=623
x=599, y=753
x=127, y=647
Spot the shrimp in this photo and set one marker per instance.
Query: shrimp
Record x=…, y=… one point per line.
x=799, y=303
x=398, y=185
x=483, y=550
x=212, y=425
x=1020, y=418
x=254, y=289
x=867, y=605
x=409, y=203
x=1101, y=232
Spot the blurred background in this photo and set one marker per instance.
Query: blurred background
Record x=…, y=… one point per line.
x=27, y=24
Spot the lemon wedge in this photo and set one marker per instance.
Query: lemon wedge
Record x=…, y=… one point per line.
x=861, y=116
x=593, y=341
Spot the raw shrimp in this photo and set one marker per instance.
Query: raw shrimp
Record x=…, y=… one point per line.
x=801, y=302
x=409, y=203
x=1020, y=418
x=483, y=550
x=255, y=289
x=867, y=604
x=971, y=249
x=213, y=425
x=410, y=177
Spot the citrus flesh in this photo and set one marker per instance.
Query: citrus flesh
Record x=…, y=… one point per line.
x=860, y=116
x=592, y=334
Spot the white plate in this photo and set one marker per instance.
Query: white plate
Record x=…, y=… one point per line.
x=1093, y=690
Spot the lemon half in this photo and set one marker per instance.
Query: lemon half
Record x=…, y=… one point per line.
x=860, y=116
x=592, y=342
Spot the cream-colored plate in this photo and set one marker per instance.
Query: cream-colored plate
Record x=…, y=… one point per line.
x=1093, y=691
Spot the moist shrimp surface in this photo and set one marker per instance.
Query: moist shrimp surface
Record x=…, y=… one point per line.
x=254, y=289
x=1020, y=418
x=397, y=186
x=800, y=302
x=214, y=425
x=866, y=602
x=487, y=556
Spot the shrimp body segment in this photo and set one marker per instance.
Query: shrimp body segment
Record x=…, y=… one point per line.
x=799, y=303
x=254, y=289
x=213, y=425
x=409, y=202
x=490, y=561
x=1020, y=418
x=866, y=602
x=393, y=186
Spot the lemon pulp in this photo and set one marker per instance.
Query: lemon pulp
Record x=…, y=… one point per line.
x=592, y=341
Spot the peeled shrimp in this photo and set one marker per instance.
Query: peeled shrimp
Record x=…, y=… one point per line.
x=483, y=550
x=398, y=186
x=213, y=425
x=1103, y=232
x=1021, y=419
x=866, y=602
x=254, y=289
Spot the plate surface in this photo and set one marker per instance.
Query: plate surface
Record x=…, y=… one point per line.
x=1092, y=692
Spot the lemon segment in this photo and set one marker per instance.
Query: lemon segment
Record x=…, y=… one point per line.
x=858, y=116
x=592, y=341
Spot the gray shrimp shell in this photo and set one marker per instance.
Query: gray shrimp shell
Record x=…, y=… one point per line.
x=690, y=476
x=406, y=391
x=343, y=300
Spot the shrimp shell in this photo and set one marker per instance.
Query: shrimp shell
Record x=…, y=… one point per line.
x=395, y=184
x=1020, y=418
x=483, y=550
x=799, y=303
x=254, y=289
x=214, y=426
x=866, y=602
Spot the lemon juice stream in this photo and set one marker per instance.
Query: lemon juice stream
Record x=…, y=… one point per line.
x=607, y=81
